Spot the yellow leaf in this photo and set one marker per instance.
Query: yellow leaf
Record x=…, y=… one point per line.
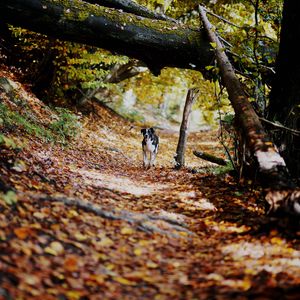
x=74, y=295
x=72, y=213
x=138, y=251
x=246, y=284
x=48, y=250
x=144, y=242
x=39, y=215
x=151, y=265
x=27, y=251
x=127, y=230
x=214, y=45
x=35, y=225
x=80, y=237
x=124, y=281
x=109, y=267
x=55, y=248
x=277, y=241
x=100, y=279
x=105, y=241
x=215, y=276
x=102, y=256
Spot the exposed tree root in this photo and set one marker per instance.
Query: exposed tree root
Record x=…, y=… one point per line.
x=166, y=224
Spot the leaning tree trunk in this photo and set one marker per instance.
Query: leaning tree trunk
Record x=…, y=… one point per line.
x=155, y=42
x=181, y=146
x=272, y=170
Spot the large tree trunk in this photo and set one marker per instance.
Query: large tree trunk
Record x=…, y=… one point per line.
x=157, y=43
x=281, y=191
x=285, y=95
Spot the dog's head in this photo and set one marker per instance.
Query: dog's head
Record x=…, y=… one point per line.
x=147, y=132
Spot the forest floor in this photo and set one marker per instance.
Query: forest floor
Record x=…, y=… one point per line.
x=86, y=221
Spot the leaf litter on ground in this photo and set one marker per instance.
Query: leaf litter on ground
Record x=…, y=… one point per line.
x=86, y=221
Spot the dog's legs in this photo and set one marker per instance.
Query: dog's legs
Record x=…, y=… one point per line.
x=145, y=160
x=152, y=158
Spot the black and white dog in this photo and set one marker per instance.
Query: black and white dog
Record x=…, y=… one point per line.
x=150, y=146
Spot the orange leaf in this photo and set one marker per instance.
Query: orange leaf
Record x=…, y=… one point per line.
x=70, y=263
x=22, y=232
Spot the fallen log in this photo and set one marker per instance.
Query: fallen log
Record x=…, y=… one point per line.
x=281, y=192
x=210, y=157
x=158, y=43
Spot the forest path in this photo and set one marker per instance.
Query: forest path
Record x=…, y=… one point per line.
x=91, y=223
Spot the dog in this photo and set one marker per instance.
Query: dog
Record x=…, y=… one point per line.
x=150, y=147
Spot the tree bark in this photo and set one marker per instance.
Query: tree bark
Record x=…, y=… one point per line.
x=157, y=43
x=281, y=191
x=285, y=94
x=132, y=7
x=181, y=146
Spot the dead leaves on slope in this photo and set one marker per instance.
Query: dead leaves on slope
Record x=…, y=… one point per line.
x=139, y=248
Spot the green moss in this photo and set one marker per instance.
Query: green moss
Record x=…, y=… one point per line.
x=79, y=11
x=59, y=131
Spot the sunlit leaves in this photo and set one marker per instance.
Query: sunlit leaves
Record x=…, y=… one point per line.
x=76, y=67
x=10, y=198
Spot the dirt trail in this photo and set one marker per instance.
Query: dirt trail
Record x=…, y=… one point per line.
x=91, y=223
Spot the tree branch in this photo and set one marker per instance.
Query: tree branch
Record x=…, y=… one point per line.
x=293, y=131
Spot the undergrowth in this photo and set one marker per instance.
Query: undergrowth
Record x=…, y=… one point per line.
x=64, y=128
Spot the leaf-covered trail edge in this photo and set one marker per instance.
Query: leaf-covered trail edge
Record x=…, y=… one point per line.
x=91, y=223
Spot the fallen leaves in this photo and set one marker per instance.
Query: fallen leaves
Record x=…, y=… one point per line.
x=163, y=234
x=23, y=232
x=55, y=248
